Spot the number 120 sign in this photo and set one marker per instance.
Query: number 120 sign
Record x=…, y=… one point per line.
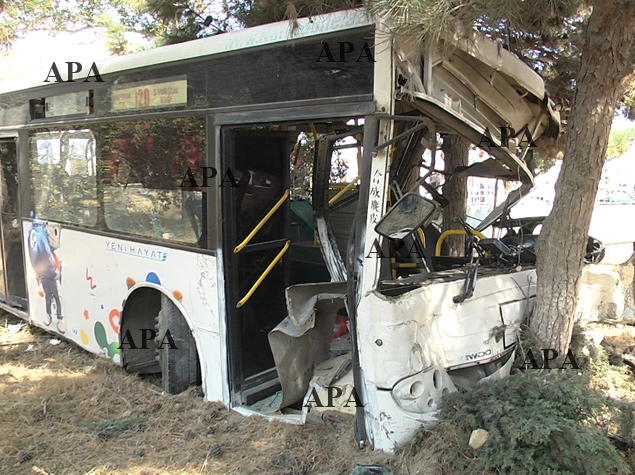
x=145, y=95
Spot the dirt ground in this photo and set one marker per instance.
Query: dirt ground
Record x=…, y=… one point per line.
x=65, y=411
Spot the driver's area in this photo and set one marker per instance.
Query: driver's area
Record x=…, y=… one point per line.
x=434, y=233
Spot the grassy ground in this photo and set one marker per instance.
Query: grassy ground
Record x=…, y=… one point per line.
x=65, y=411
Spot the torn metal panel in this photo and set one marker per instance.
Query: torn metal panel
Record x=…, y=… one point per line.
x=301, y=341
x=328, y=244
x=474, y=87
x=405, y=339
x=490, y=87
x=489, y=168
x=335, y=373
x=302, y=298
x=453, y=121
x=355, y=268
x=499, y=59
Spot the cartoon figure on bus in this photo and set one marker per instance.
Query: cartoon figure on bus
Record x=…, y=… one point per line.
x=43, y=240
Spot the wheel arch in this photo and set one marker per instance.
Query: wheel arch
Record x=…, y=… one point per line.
x=132, y=294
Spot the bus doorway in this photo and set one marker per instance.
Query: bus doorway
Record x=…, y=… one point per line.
x=255, y=241
x=289, y=185
x=12, y=282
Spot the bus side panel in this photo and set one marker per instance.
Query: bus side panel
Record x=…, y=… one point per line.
x=88, y=277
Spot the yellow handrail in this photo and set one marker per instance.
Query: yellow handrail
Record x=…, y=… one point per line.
x=344, y=190
x=314, y=130
x=454, y=232
x=406, y=265
x=422, y=237
x=262, y=222
x=244, y=300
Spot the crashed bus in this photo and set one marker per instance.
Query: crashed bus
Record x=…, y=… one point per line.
x=182, y=215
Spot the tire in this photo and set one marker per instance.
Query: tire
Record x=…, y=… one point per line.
x=177, y=354
x=595, y=251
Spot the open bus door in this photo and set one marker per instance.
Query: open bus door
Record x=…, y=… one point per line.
x=255, y=240
x=12, y=282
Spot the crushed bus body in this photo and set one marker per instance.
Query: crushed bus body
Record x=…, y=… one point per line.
x=326, y=216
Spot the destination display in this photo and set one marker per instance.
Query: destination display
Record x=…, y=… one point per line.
x=67, y=104
x=145, y=95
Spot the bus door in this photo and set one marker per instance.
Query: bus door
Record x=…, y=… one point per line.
x=255, y=211
x=12, y=282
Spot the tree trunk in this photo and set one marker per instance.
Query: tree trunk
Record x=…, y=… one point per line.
x=455, y=150
x=562, y=243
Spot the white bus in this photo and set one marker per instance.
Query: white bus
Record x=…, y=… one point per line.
x=185, y=217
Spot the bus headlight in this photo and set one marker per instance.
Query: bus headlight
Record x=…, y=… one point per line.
x=423, y=391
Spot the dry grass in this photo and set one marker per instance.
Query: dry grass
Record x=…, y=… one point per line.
x=65, y=411
x=616, y=380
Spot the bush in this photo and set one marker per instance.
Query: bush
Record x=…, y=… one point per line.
x=538, y=422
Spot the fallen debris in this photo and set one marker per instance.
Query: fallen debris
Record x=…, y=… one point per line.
x=370, y=470
x=14, y=328
x=478, y=438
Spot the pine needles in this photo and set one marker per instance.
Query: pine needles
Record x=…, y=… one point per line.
x=537, y=422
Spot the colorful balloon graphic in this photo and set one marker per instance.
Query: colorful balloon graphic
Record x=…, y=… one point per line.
x=102, y=340
x=84, y=337
x=114, y=318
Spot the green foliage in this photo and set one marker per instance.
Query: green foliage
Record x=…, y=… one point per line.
x=163, y=21
x=17, y=17
x=441, y=20
x=302, y=167
x=115, y=34
x=537, y=423
x=544, y=34
x=115, y=427
x=302, y=157
x=259, y=12
x=619, y=142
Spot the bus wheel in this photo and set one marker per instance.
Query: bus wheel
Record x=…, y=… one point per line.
x=177, y=353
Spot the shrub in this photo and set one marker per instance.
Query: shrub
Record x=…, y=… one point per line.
x=538, y=422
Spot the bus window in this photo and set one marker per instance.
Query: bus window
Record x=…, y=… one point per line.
x=144, y=163
x=63, y=178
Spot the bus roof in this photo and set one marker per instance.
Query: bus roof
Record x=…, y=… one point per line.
x=482, y=49
x=262, y=35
